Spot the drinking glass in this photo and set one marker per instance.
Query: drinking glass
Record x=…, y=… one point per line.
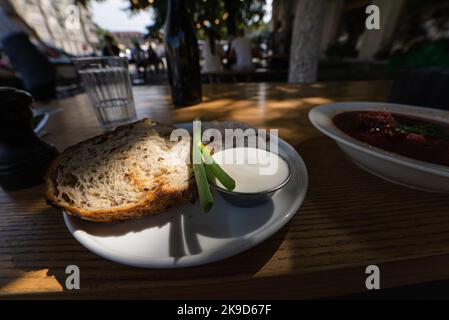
x=108, y=85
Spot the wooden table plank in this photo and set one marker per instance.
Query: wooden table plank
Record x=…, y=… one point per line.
x=350, y=219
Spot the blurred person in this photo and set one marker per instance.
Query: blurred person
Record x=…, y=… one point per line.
x=429, y=48
x=153, y=59
x=212, y=52
x=139, y=57
x=37, y=73
x=159, y=48
x=279, y=41
x=241, y=50
x=110, y=47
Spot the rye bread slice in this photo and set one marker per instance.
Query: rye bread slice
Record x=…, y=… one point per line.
x=128, y=173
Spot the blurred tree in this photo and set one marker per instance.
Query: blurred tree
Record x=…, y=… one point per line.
x=224, y=15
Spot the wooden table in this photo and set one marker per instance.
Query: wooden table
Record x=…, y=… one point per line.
x=349, y=219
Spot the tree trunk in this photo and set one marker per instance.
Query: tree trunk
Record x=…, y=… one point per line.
x=231, y=7
x=306, y=40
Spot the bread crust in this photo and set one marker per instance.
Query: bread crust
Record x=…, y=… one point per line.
x=157, y=200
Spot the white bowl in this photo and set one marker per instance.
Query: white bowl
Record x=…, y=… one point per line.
x=387, y=165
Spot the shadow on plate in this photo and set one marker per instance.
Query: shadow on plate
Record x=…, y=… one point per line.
x=187, y=223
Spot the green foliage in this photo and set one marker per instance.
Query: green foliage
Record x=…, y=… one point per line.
x=223, y=15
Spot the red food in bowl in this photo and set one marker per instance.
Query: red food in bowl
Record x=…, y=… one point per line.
x=410, y=137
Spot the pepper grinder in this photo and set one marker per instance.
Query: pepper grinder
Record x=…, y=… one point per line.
x=24, y=157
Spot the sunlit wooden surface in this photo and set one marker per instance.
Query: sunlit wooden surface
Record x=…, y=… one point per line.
x=350, y=219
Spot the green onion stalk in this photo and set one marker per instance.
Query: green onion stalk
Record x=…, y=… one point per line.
x=202, y=183
x=215, y=170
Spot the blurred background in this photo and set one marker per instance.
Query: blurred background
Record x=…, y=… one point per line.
x=240, y=41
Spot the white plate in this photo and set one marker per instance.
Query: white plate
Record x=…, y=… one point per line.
x=387, y=165
x=185, y=236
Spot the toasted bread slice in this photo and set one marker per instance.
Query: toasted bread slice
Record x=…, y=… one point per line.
x=128, y=173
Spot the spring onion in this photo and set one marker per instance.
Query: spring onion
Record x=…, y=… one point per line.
x=198, y=167
x=216, y=170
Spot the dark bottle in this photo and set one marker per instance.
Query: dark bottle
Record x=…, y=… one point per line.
x=182, y=53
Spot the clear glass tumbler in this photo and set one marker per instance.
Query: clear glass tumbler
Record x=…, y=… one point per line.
x=108, y=85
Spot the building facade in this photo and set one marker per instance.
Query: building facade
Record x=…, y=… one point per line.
x=60, y=23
